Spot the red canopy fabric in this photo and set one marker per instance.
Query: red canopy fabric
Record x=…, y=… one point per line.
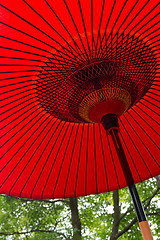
x=47, y=152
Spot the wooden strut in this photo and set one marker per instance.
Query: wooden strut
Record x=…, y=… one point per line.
x=145, y=230
x=111, y=125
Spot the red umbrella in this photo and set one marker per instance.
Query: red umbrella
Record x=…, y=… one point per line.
x=65, y=68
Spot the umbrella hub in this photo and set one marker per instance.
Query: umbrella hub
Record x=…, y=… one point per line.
x=104, y=101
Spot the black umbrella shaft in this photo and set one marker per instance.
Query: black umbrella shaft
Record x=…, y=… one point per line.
x=128, y=176
x=122, y=157
x=137, y=203
x=111, y=125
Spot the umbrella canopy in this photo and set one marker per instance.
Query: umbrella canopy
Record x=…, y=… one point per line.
x=63, y=66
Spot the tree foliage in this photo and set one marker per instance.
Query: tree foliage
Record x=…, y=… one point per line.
x=104, y=216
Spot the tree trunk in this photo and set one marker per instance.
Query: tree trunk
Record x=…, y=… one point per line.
x=116, y=215
x=158, y=180
x=76, y=223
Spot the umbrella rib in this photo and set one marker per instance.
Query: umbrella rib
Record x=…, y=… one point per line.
x=106, y=30
x=42, y=73
x=111, y=48
x=79, y=157
x=153, y=97
x=142, y=18
x=113, y=162
x=117, y=44
x=153, y=32
x=118, y=73
x=23, y=59
x=17, y=105
x=149, y=28
x=95, y=158
x=76, y=29
x=154, y=88
x=148, y=125
x=16, y=82
x=18, y=98
x=140, y=74
x=86, y=159
x=37, y=110
x=100, y=26
x=118, y=17
x=150, y=92
x=55, y=157
x=128, y=16
x=142, y=68
x=145, y=133
x=110, y=34
x=44, y=68
x=55, y=29
x=21, y=71
x=154, y=46
x=122, y=43
x=63, y=65
x=53, y=115
x=70, y=162
x=155, y=83
x=48, y=154
x=17, y=50
x=147, y=115
x=37, y=147
x=125, y=48
x=150, y=102
x=37, y=29
x=141, y=139
x=149, y=108
x=14, y=95
x=37, y=39
x=64, y=26
x=23, y=143
x=128, y=38
x=26, y=163
x=157, y=23
x=93, y=42
x=143, y=142
x=27, y=44
x=16, y=117
x=80, y=8
x=127, y=58
x=19, y=65
x=17, y=88
x=121, y=52
x=55, y=56
x=130, y=156
x=129, y=49
x=145, y=22
x=59, y=172
x=135, y=146
x=138, y=23
x=105, y=168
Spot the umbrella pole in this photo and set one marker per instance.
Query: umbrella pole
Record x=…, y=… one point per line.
x=111, y=125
